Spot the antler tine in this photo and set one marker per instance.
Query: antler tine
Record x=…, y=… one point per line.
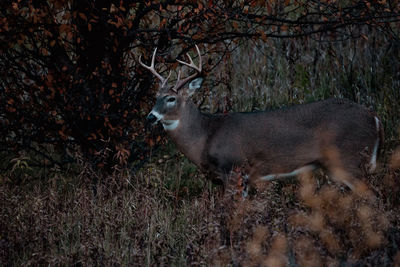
x=191, y=64
x=153, y=70
x=180, y=83
x=175, y=88
x=165, y=81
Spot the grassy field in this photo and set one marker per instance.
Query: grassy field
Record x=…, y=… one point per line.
x=168, y=213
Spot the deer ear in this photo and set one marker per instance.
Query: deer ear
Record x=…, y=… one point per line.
x=194, y=85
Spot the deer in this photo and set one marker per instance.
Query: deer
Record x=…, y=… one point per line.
x=271, y=145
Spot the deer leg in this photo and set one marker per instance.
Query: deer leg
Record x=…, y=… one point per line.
x=342, y=167
x=294, y=173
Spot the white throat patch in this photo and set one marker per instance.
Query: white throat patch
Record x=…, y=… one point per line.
x=170, y=125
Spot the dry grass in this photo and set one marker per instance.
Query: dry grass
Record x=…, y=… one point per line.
x=169, y=214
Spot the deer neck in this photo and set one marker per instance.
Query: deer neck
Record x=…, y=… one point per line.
x=191, y=133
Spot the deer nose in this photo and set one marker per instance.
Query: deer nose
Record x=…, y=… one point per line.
x=151, y=118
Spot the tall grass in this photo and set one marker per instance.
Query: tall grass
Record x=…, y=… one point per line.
x=123, y=219
x=261, y=76
x=147, y=219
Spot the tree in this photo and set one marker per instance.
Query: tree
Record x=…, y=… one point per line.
x=69, y=72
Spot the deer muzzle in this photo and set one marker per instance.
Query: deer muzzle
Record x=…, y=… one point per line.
x=154, y=117
x=151, y=118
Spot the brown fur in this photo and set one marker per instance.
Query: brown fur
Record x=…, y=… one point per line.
x=278, y=141
x=333, y=133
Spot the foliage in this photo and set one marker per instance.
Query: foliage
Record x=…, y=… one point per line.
x=69, y=72
x=143, y=219
x=53, y=110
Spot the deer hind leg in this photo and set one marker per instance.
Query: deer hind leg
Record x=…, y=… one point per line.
x=279, y=176
x=342, y=167
x=354, y=156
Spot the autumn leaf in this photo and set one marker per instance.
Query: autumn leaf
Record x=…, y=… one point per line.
x=235, y=25
x=163, y=23
x=64, y=28
x=263, y=35
x=82, y=16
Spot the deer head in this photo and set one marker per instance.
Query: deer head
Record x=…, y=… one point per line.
x=171, y=100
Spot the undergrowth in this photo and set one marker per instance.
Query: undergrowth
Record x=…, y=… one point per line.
x=170, y=216
x=169, y=213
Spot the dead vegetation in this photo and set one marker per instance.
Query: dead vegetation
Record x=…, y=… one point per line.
x=168, y=214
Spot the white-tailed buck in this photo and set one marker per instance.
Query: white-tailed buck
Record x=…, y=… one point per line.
x=270, y=144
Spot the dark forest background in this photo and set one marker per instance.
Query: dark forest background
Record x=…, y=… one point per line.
x=83, y=181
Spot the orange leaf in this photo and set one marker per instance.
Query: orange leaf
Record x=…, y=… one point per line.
x=83, y=16
x=151, y=142
x=64, y=27
x=263, y=36
x=163, y=22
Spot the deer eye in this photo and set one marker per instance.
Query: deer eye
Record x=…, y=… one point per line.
x=171, y=99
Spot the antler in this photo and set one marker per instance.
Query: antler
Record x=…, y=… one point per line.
x=179, y=82
x=152, y=69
